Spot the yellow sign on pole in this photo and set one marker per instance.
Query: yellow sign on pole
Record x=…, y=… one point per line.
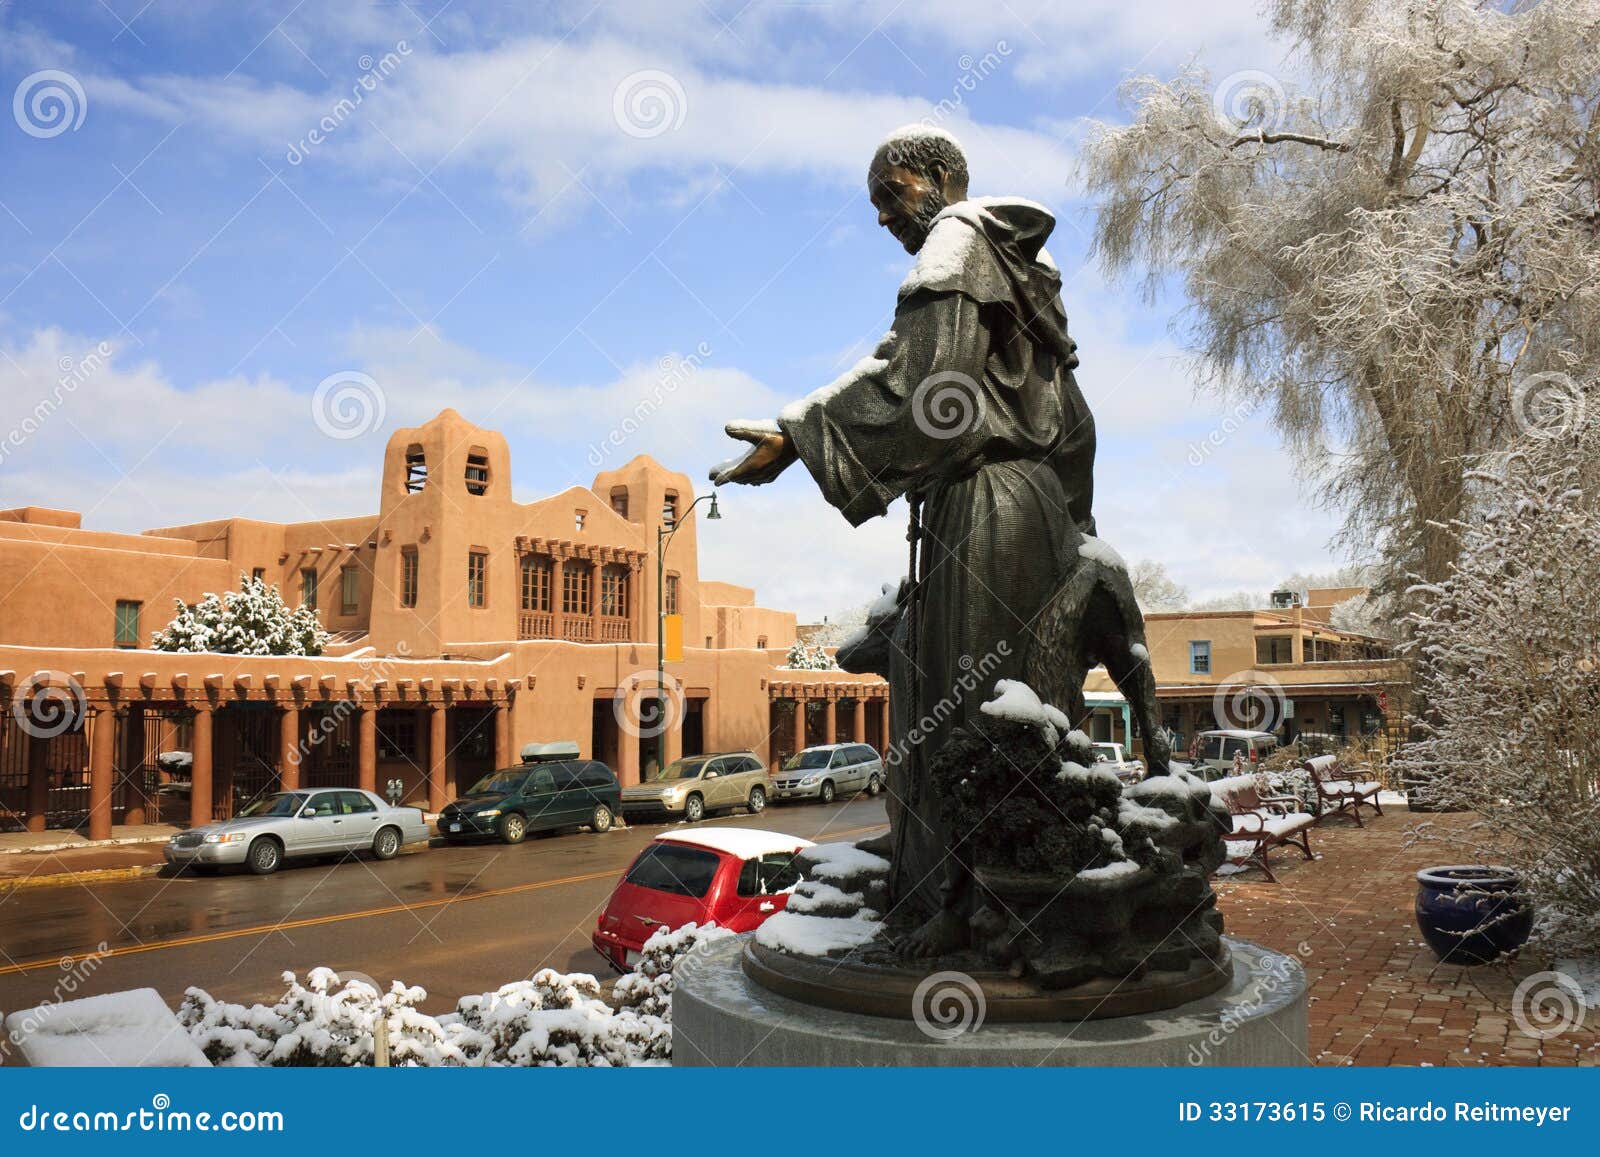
x=672, y=636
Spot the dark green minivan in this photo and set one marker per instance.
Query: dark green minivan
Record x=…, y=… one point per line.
x=551, y=788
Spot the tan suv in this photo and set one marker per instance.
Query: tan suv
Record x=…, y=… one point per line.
x=696, y=785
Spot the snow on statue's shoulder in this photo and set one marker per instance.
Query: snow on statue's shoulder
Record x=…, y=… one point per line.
x=1016, y=701
x=1098, y=550
x=865, y=368
x=944, y=256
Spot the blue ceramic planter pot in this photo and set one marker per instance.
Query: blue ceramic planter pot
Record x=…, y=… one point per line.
x=1472, y=913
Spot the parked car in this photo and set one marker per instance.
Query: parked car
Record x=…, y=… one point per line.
x=732, y=877
x=1214, y=750
x=1111, y=757
x=551, y=788
x=289, y=824
x=697, y=785
x=823, y=771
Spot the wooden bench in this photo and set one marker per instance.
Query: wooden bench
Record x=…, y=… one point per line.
x=1261, y=823
x=1340, y=789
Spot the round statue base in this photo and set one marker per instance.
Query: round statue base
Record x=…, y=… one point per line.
x=848, y=986
x=721, y=1016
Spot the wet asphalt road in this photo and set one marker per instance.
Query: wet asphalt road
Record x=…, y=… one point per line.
x=456, y=920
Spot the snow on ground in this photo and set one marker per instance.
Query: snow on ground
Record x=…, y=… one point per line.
x=132, y=1029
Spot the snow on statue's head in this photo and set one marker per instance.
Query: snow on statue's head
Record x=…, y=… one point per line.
x=916, y=172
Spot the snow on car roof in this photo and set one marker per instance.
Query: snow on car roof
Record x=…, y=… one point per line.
x=742, y=842
x=1238, y=733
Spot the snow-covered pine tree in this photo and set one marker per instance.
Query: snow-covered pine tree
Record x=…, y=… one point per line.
x=250, y=621
x=1507, y=654
x=808, y=657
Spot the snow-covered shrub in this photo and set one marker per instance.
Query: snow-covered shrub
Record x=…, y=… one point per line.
x=554, y=1019
x=324, y=1022
x=1507, y=666
x=809, y=657
x=253, y=620
x=647, y=990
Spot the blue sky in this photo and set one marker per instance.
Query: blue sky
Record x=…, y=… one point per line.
x=534, y=213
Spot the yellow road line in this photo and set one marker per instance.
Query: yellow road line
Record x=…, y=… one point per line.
x=315, y=921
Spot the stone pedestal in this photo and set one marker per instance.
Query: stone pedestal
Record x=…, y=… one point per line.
x=721, y=1017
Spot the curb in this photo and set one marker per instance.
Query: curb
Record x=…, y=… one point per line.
x=62, y=879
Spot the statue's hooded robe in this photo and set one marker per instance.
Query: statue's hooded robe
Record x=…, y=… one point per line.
x=969, y=408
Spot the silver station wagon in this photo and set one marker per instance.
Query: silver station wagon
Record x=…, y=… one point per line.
x=313, y=822
x=823, y=771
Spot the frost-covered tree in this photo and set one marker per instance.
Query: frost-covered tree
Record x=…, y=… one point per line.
x=1507, y=658
x=250, y=621
x=1399, y=256
x=1154, y=588
x=809, y=657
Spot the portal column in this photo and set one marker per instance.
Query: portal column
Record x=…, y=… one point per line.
x=436, y=753
x=830, y=718
x=38, y=781
x=367, y=747
x=131, y=760
x=627, y=757
x=502, y=734
x=798, y=735
x=102, y=770
x=200, y=768
x=596, y=578
x=289, y=749
x=858, y=720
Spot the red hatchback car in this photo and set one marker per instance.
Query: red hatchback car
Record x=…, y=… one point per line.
x=732, y=877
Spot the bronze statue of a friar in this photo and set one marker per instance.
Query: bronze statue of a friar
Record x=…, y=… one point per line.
x=969, y=409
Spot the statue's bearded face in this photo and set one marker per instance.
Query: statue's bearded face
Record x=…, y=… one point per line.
x=907, y=201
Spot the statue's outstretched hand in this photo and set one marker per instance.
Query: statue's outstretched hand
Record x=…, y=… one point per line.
x=770, y=454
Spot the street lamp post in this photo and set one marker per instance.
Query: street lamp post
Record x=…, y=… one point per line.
x=663, y=537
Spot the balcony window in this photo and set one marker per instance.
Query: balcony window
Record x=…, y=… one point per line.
x=671, y=594
x=535, y=583
x=477, y=578
x=614, y=592
x=575, y=593
x=308, y=587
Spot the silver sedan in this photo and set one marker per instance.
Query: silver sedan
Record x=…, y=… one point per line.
x=314, y=822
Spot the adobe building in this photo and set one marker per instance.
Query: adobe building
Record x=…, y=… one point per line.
x=465, y=624
x=1285, y=669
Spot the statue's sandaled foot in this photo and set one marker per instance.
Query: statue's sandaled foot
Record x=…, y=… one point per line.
x=879, y=845
x=943, y=933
